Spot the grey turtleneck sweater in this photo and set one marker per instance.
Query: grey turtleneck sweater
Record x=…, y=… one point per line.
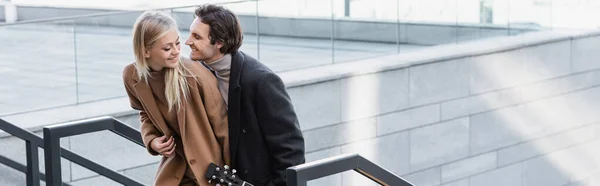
x=222, y=68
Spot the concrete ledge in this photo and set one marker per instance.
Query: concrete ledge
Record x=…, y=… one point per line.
x=35, y=121
x=428, y=55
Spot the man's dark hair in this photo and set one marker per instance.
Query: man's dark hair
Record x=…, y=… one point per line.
x=224, y=26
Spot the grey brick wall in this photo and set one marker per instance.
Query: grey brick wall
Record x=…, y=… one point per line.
x=525, y=116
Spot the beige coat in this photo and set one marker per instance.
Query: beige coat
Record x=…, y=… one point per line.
x=202, y=121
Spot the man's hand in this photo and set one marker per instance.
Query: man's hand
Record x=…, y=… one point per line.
x=163, y=146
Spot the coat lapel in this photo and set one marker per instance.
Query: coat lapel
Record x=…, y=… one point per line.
x=147, y=99
x=234, y=97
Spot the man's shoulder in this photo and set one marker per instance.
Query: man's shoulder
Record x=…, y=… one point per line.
x=253, y=67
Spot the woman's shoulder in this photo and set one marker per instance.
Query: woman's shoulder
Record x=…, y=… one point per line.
x=129, y=72
x=195, y=67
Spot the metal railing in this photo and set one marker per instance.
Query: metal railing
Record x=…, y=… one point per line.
x=296, y=176
x=52, y=154
x=300, y=174
x=32, y=142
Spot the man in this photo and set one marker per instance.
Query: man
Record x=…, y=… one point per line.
x=264, y=134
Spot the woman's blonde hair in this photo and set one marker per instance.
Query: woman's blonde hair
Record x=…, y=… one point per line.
x=149, y=28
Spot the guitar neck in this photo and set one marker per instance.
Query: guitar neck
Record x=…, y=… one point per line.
x=246, y=184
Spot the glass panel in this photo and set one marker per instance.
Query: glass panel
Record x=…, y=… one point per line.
x=569, y=14
x=428, y=22
x=247, y=14
x=104, y=48
x=365, y=29
x=295, y=34
x=529, y=15
x=468, y=20
x=37, y=68
x=492, y=18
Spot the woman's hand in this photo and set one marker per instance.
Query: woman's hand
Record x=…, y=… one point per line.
x=163, y=146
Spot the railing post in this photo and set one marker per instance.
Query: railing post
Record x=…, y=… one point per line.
x=52, y=157
x=293, y=179
x=10, y=12
x=33, y=170
x=346, y=8
x=299, y=175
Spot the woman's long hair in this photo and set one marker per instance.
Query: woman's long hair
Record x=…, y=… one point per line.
x=150, y=27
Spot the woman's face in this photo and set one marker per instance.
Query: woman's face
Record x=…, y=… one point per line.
x=165, y=52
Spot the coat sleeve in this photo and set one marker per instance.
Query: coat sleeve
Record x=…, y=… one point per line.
x=279, y=124
x=147, y=128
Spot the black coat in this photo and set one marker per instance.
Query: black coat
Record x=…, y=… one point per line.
x=265, y=137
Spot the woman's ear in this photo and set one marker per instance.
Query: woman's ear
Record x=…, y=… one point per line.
x=146, y=53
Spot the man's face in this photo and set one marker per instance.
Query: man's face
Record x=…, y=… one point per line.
x=199, y=42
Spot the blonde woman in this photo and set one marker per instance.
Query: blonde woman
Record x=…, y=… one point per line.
x=183, y=115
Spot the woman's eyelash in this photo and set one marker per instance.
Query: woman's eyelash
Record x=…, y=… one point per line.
x=167, y=49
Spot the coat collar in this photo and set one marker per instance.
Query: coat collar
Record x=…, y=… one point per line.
x=237, y=62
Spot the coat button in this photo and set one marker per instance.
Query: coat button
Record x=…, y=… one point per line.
x=193, y=161
x=244, y=131
x=245, y=172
